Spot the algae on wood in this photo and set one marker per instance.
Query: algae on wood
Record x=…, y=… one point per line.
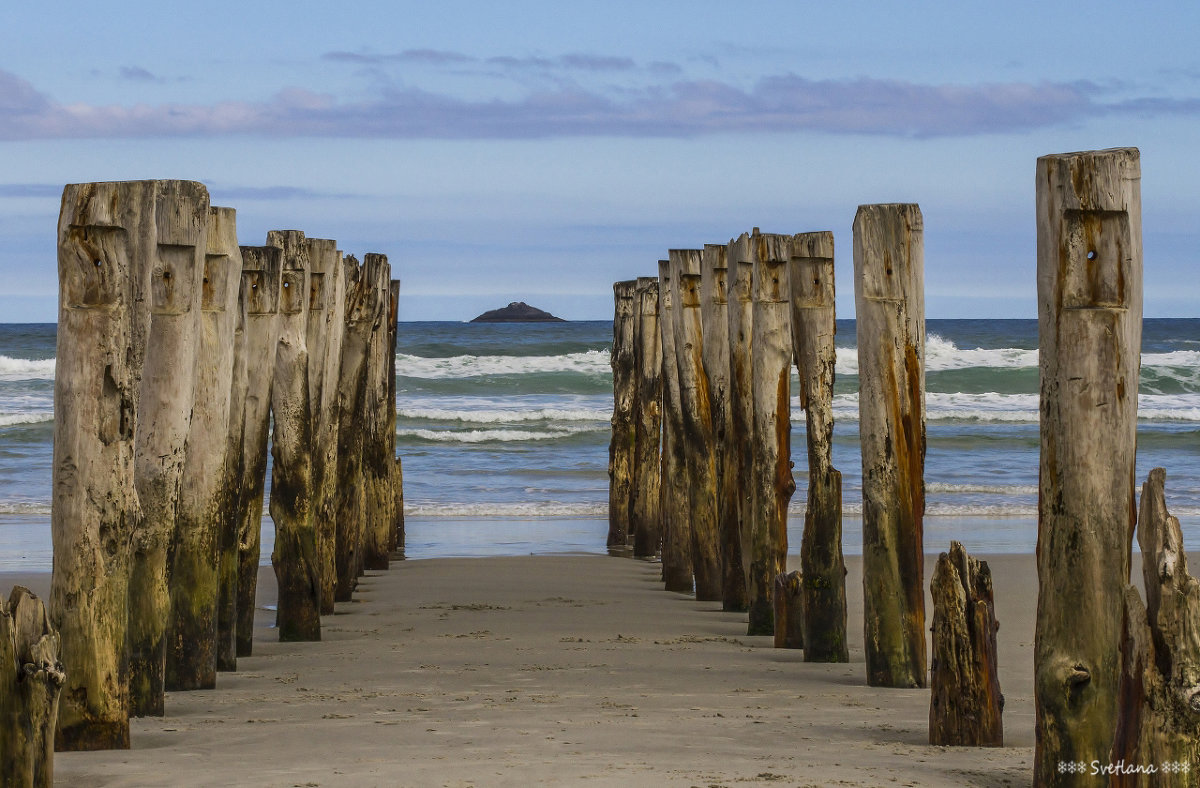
x=31, y=679
x=622, y=434
x=645, y=518
x=673, y=492
x=379, y=451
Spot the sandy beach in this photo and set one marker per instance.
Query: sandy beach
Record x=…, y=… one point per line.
x=558, y=669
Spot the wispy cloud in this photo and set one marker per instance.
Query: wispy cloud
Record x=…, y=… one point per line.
x=681, y=108
x=137, y=74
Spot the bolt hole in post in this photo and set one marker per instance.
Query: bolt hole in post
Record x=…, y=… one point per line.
x=98, y=263
x=1091, y=255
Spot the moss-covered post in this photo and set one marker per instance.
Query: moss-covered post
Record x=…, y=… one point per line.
x=396, y=533
x=737, y=478
x=673, y=498
x=235, y=470
x=645, y=519
x=379, y=454
x=31, y=679
x=622, y=434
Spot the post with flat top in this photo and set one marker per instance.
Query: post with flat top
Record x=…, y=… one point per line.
x=622, y=436
x=673, y=499
x=644, y=510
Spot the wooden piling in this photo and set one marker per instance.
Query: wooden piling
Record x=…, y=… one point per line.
x=235, y=472
x=31, y=679
x=170, y=274
x=714, y=316
x=737, y=477
x=204, y=497
x=623, y=431
x=396, y=533
x=297, y=573
x=1089, y=328
x=94, y=507
x=673, y=492
x=890, y=311
x=821, y=562
x=696, y=410
x=262, y=272
x=787, y=601
x=966, y=706
x=1159, y=702
x=379, y=454
x=645, y=518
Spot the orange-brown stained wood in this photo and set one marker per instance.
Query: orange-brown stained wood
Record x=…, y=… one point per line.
x=736, y=482
x=890, y=314
x=674, y=503
x=31, y=679
x=379, y=451
x=1089, y=328
x=623, y=431
x=788, y=601
x=645, y=520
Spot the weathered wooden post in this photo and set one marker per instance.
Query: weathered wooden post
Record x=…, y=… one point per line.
x=821, y=562
x=203, y=497
x=297, y=574
x=737, y=481
x=645, y=518
x=714, y=315
x=1159, y=702
x=673, y=498
x=787, y=600
x=697, y=423
x=170, y=275
x=965, y=701
x=764, y=542
x=396, y=543
x=1089, y=327
x=623, y=432
x=94, y=506
x=31, y=678
x=235, y=470
x=890, y=310
x=380, y=460
x=262, y=272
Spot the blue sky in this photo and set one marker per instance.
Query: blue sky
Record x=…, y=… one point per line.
x=541, y=150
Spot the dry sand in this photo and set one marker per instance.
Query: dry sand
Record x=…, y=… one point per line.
x=559, y=669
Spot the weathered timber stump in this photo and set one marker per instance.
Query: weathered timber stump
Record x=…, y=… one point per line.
x=94, y=506
x=890, y=310
x=821, y=561
x=645, y=522
x=714, y=316
x=736, y=483
x=1159, y=703
x=262, y=272
x=623, y=432
x=787, y=601
x=396, y=531
x=31, y=679
x=297, y=573
x=673, y=499
x=698, y=438
x=380, y=454
x=235, y=470
x=966, y=706
x=1089, y=329
x=203, y=496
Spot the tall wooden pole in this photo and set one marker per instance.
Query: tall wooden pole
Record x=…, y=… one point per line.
x=380, y=461
x=396, y=531
x=1089, y=327
x=770, y=435
x=645, y=518
x=737, y=478
x=822, y=565
x=170, y=273
x=673, y=498
x=235, y=471
x=262, y=272
x=203, y=497
x=714, y=315
x=696, y=410
x=94, y=506
x=890, y=311
x=622, y=433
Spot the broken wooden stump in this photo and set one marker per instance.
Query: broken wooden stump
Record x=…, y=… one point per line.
x=297, y=574
x=191, y=658
x=235, y=469
x=645, y=523
x=697, y=433
x=814, y=328
x=623, y=432
x=787, y=601
x=1158, y=719
x=1089, y=328
x=673, y=499
x=890, y=310
x=379, y=455
x=714, y=316
x=262, y=272
x=737, y=479
x=31, y=680
x=966, y=705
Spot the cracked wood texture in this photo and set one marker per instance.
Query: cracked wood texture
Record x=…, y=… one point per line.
x=821, y=562
x=714, y=317
x=235, y=469
x=788, y=602
x=31, y=679
x=297, y=573
x=262, y=277
x=1089, y=279
x=396, y=531
x=623, y=432
x=380, y=452
x=965, y=702
x=1159, y=702
x=645, y=521
x=696, y=409
x=673, y=498
x=736, y=477
x=890, y=312
x=191, y=660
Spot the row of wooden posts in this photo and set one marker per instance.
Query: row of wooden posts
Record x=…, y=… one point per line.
x=182, y=356
x=700, y=472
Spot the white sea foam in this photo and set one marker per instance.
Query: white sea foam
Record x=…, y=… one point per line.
x=14, y=419
x=1012, y=408
x=25, y=507
x=590, y=362
x=495, y=436
x=501, y=416
x=941, y=354
x=26, y=369
x=976, y=488
x=552, y=509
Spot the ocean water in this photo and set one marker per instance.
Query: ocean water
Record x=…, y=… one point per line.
x=504, y=433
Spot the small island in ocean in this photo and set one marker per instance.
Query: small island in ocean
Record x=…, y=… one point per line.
x=518, y=312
